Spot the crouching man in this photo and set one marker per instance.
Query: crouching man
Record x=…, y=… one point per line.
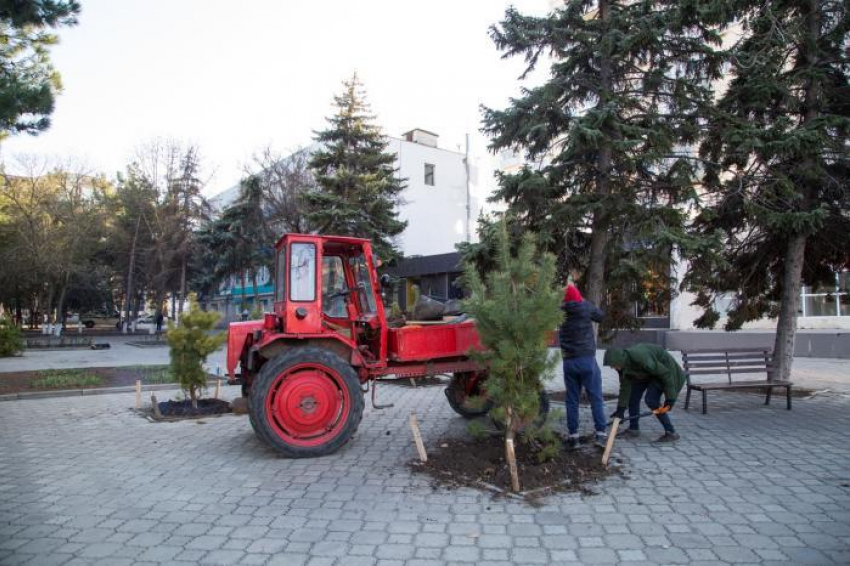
x=651, y=370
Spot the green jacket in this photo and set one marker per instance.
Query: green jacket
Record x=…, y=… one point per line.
x=646, y=362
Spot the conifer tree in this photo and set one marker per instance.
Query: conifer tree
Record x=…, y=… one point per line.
x=778, y=157
x=28, y=82
x=358, y=188
x=609, y=130
x=191, y=343
x=515, y=307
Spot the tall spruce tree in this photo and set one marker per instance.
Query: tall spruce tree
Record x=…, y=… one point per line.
x=779, y=157
x=358, y=188
x=610, y=131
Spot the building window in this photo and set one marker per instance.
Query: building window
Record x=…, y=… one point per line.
x=828, y=300
x=429, y=174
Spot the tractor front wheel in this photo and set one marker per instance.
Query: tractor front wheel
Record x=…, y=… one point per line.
x=306, y=403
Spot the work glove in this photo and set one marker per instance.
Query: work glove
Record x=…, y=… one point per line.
x=666, y=408
x=620, y=413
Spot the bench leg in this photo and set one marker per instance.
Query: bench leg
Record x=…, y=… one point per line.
x=704, y=401
x=788, y=396
x=767, y=399
x=688, y=399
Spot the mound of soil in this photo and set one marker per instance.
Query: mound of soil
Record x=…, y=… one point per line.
x=467, y=462
x=205, y=408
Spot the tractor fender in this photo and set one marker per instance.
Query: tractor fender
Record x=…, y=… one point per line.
x=239, y=335
x=276, y=345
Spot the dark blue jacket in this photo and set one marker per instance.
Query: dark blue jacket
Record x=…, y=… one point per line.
x=576, y=334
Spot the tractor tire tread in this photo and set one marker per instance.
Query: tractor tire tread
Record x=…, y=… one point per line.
x=263, y=381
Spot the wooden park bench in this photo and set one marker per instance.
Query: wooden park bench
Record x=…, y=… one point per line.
x=729, y=363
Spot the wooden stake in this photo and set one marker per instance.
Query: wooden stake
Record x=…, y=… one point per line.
x=155, y=405
x=510, y=456
x=417, y=438
x=217, y=388
x=138, y=393
x=612, y=435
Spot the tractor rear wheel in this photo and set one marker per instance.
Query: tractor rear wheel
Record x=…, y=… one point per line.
x=462, y=387
x=306, y=402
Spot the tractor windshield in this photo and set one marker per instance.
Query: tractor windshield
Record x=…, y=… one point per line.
x=333, y=286
x=366, y=298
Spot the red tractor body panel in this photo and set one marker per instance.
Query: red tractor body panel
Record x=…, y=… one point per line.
x=416, y=343
x=237, y=339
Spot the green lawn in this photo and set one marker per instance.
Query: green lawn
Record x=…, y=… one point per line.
x=64, y=379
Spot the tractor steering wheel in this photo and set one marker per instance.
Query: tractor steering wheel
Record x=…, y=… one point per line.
x=347, y=291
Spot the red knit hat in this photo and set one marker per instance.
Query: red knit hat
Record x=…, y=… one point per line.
x=572, y=294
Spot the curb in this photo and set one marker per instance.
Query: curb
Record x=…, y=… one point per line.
x=89, y=392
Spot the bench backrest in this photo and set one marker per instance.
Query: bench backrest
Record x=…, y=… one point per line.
x=726, y=362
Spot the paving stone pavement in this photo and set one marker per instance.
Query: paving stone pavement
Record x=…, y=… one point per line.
x=83, y=480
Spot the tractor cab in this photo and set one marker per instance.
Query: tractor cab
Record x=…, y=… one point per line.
x=328, y=285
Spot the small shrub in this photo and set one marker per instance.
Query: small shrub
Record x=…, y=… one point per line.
x=11, y=339
x=191, y=342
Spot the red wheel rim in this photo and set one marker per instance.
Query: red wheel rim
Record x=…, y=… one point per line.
x=308, y=405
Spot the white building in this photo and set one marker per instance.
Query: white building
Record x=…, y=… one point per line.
x=441, y=203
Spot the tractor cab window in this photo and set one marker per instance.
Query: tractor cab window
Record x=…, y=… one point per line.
x=365, y=297
x=302, y=272
x=333, y=287
x=280, y=277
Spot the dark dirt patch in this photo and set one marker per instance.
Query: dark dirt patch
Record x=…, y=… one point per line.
x=467, y=462
x=22, y=381
x=206, y=407
x=561, y=397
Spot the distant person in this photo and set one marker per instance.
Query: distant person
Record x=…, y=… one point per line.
x=245, y=314
x=578, y=350
x=159, y=320
x=649, y=369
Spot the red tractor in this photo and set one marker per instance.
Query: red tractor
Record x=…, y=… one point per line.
x=306, y=366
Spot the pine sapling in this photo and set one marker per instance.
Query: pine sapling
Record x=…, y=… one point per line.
x=191, y=342
x=515, y=306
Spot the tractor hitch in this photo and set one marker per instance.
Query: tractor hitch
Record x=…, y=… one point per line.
x=375, y=405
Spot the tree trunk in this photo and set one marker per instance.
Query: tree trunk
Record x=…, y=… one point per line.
x=792, y=276
x=510, y=454
x=128, y=297
x=243, y=306
x=786, y=327
x=256, y=292
x=60, y=305
x=595, y=280
x=182, y=290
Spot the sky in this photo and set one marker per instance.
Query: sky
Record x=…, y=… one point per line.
x=235, y=77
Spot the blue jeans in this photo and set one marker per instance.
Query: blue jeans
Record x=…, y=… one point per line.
x=653, y=401
x=584, y=372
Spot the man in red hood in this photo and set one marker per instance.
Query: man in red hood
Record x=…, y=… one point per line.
x=578, y=350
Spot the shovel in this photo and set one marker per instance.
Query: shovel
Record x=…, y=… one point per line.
x=615, y=425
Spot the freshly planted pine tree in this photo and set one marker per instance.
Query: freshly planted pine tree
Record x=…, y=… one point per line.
x=609, y=131
x=191, y=343
x=515, y=307
x=778, y=167
x=358, y=188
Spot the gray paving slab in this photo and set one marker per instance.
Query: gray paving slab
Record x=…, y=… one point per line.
x=83, y=480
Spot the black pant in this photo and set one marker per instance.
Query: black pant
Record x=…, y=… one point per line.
x=653, y=401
